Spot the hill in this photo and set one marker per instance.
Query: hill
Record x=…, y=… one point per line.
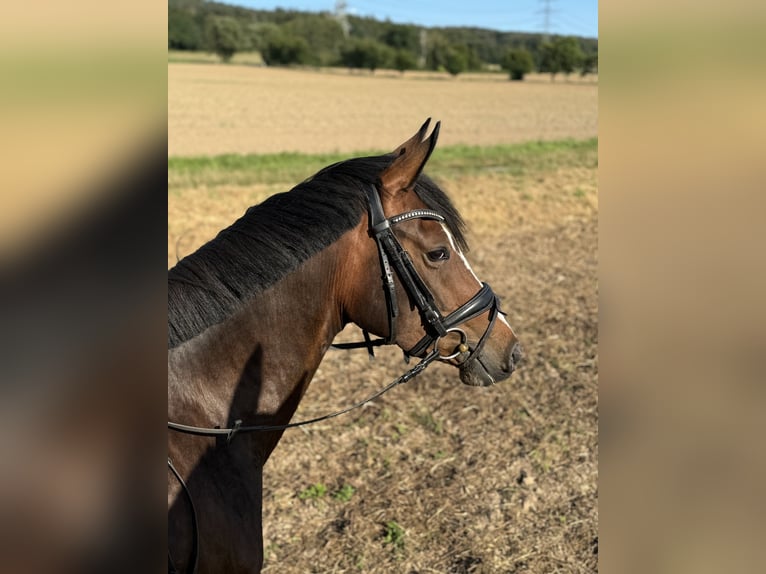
x=320, y=39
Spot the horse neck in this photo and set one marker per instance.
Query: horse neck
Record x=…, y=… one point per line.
x=256, y=366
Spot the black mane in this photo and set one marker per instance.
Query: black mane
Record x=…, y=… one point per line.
x=274, y=237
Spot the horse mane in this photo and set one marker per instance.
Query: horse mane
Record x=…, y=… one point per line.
x=274, y=237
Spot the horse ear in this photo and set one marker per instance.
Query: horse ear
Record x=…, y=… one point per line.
x=412, y=156
x=414, y=140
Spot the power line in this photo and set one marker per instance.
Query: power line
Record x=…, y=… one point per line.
x=546, y=11
x=575, y=25
x=342, y=17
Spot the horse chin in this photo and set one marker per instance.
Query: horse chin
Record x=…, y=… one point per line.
x=475, y=374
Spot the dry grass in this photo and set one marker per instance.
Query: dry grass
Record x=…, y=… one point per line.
x=448, y=478
x=214, y=109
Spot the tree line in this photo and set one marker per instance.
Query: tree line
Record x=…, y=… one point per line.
x=289, y=37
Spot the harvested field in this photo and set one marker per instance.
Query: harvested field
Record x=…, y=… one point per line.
x=215, y=109
x=438, y=477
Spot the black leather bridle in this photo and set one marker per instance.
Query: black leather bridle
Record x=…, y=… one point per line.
x=393, y=259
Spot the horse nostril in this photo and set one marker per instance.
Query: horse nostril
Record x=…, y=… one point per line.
x=515, y=357
x=516, y=353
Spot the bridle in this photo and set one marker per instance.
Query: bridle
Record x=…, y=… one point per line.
x=393, y=259
x=391, y=253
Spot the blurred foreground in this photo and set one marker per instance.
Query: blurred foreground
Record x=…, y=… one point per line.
x=82, y=211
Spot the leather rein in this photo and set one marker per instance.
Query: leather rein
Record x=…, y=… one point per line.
x=393, y=259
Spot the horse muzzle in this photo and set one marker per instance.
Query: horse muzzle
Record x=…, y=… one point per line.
x=482, y=369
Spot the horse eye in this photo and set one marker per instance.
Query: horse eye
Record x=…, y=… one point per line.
x=440, y=254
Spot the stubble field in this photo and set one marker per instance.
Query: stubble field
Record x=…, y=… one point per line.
x=434, y=476
x=246, y=109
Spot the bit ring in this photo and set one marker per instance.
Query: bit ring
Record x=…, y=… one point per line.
x=461, y=348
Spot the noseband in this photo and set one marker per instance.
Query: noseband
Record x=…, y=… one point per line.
x=394, y=258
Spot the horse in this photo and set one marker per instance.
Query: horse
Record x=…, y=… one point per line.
x=371, y=241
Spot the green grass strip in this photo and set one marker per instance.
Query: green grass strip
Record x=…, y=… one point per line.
x=448, y=161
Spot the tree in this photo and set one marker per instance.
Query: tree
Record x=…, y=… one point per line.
x=283, y=50
x=404, y=60
x=366, y=53
x=518, y=62
x=323, y=35
x=259, y=34
x=549, y=62
x=569, y=54
x=401, y=36
x=589, y=64
x=183, y=31
x=436, y=56
x=562, y=55
x=473, y=62
x=224, y=36
x=456, y=61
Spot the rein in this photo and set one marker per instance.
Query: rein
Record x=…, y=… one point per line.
x=238, y=428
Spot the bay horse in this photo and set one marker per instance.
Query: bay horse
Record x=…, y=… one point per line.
x=370, y=241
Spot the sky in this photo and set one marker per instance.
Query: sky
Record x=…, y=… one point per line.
x=567, y=17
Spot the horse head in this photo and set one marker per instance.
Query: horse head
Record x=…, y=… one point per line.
x=429, y=298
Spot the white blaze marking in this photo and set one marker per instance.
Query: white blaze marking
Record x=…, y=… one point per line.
x=460, y=253
x=468, y=266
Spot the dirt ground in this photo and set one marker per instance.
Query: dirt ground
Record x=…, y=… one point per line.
x=436, y=476
x=215, y=109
